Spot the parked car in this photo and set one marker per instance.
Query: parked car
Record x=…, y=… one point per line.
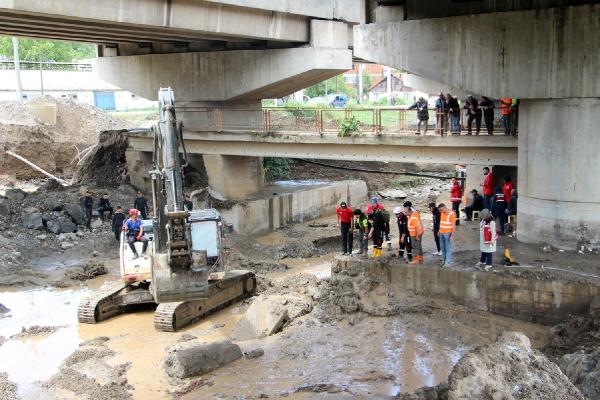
x=337, y=100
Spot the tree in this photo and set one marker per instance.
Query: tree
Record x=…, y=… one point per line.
x=46, y=50
x=330, y=85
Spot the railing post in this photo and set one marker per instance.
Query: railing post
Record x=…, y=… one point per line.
x=218, y=120
x=298, y=118
x=319, y=113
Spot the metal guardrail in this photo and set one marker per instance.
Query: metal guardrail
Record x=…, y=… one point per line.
x=47, y=66
x=378, y=121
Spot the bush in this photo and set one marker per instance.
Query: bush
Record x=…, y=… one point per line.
x=276, y=168
x=348, y=126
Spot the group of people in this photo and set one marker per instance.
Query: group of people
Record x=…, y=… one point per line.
x=373, y=224
x=448, y=109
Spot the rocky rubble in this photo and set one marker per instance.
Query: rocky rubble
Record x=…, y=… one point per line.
x=195, y=357
x=34, y=330
x=8, y=390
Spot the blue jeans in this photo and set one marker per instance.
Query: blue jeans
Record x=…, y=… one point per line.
x=487, y=202
x=455, y=123
x=506, y=120
x=486, y=258
x=446, y=244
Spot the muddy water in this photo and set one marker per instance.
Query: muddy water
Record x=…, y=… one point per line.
x=375, y=358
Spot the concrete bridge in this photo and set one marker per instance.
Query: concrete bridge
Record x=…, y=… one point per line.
x=229, y=54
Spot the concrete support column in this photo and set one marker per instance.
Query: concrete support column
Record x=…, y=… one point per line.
x=139, y=164
x=559, y=185
x=234, y=177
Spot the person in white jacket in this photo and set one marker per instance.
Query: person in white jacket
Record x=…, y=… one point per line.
x=487, y=239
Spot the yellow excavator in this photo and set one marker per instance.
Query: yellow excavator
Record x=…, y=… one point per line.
x=183, y=273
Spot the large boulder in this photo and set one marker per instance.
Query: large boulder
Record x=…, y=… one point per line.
x=32, y=218
x=4, y=210
x=269, y=313
x=60, y=224
x=195, y=357
x=75, y=211
x=584, y=371
x=509, y=369
x=52, y=204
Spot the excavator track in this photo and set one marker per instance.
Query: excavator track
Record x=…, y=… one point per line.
x=101, y=305
x=230, y=287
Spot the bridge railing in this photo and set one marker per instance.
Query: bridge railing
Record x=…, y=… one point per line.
x=380, y=120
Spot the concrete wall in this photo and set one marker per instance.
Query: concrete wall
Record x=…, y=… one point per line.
x=550, y=53
x=234, y=177
x=559, y=188
x=268, y=214
x=548, y=301
x=225, y=75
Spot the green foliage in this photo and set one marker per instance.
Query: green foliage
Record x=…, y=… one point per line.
x=367, y=81
x=46, y=50
x=332, y=85
x=268, y=103
x=276, y=168
x=348, y=126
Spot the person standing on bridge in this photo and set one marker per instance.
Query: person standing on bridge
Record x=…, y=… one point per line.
x=453, y=114
x=422, y=114
x=473, y=113
x=441, y=114
x=416, y=230
x=487, y=105
x=456, y=198
x=488, y=188
x=345, y=218
x=505, y=108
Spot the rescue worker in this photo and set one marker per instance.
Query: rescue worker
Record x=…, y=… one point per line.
x=473, y=113
x=404, y=241
x=505, y=109
x=441, y=114
x=88, y=204
x=134, y=230
x=453, y=114
x=362, y=224
x=435, y=216
x=488, y=187
x=487, y=105
x=422, y=114
x=117, y=222
x=140, y=203
x=104, y=206
x=476, y=205
x=499, y=210
x=507, y=187
x=187, y=203
x=447, y=227
x=374, y=206
x=415, y=230
x=487, y=239
x=345, y=218
x=456, y=198
x=376, y=231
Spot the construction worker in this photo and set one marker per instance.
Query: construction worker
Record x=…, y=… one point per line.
x=415, y=230
x=435, y=217
x=422, y=114
x=488, y=187
x=140, y=203
x=505, y=109
x=456, y=198
x=117, y=222
x=376, y=231
x=487, y=105
x=404, y=236
x=447, y=227
x=362, y=224
x=88, y=204
x=345, y=220
x=134, y=229
x=487, y=239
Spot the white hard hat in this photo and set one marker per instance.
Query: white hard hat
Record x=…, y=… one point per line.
x=397, y=210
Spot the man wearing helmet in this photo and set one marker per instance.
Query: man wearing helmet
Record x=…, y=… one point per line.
x=134, y=229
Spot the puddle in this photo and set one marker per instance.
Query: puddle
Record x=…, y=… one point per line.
x=320, y=267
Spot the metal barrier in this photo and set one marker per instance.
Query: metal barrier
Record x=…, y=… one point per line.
x=380, y=120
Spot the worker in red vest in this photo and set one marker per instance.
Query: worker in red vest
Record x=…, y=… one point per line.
x=456, y=198
x=488, y=187
x=507, y=187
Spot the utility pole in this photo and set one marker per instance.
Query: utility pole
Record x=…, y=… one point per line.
x=361, y=68
x=41, y=76
x=17, y=62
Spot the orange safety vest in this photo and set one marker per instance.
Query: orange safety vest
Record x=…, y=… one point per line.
x=415, y=226
x=447, y=222
x=505, y=104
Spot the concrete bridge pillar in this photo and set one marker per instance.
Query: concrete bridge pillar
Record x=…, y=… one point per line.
x=234, y=177
x=559, y=188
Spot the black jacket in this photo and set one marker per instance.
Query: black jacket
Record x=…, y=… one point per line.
x=453, y=104
x=403, y=224
x=512, y=205
x=88, y=202
x=436, y=219
x=102, y=202
x=477, y=203
x=117, y=222
x=421, y=107
x=141, y=204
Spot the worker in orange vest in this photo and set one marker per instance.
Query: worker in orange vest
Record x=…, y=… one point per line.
x=447, y=227
x=415, y=230
x=505, y=107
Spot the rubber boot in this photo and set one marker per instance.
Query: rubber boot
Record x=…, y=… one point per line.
x=378, y=254
x=389, y=246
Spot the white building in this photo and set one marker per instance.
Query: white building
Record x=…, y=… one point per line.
x=81, y=86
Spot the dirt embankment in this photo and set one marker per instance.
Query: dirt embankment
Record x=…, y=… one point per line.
x=52, y=147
